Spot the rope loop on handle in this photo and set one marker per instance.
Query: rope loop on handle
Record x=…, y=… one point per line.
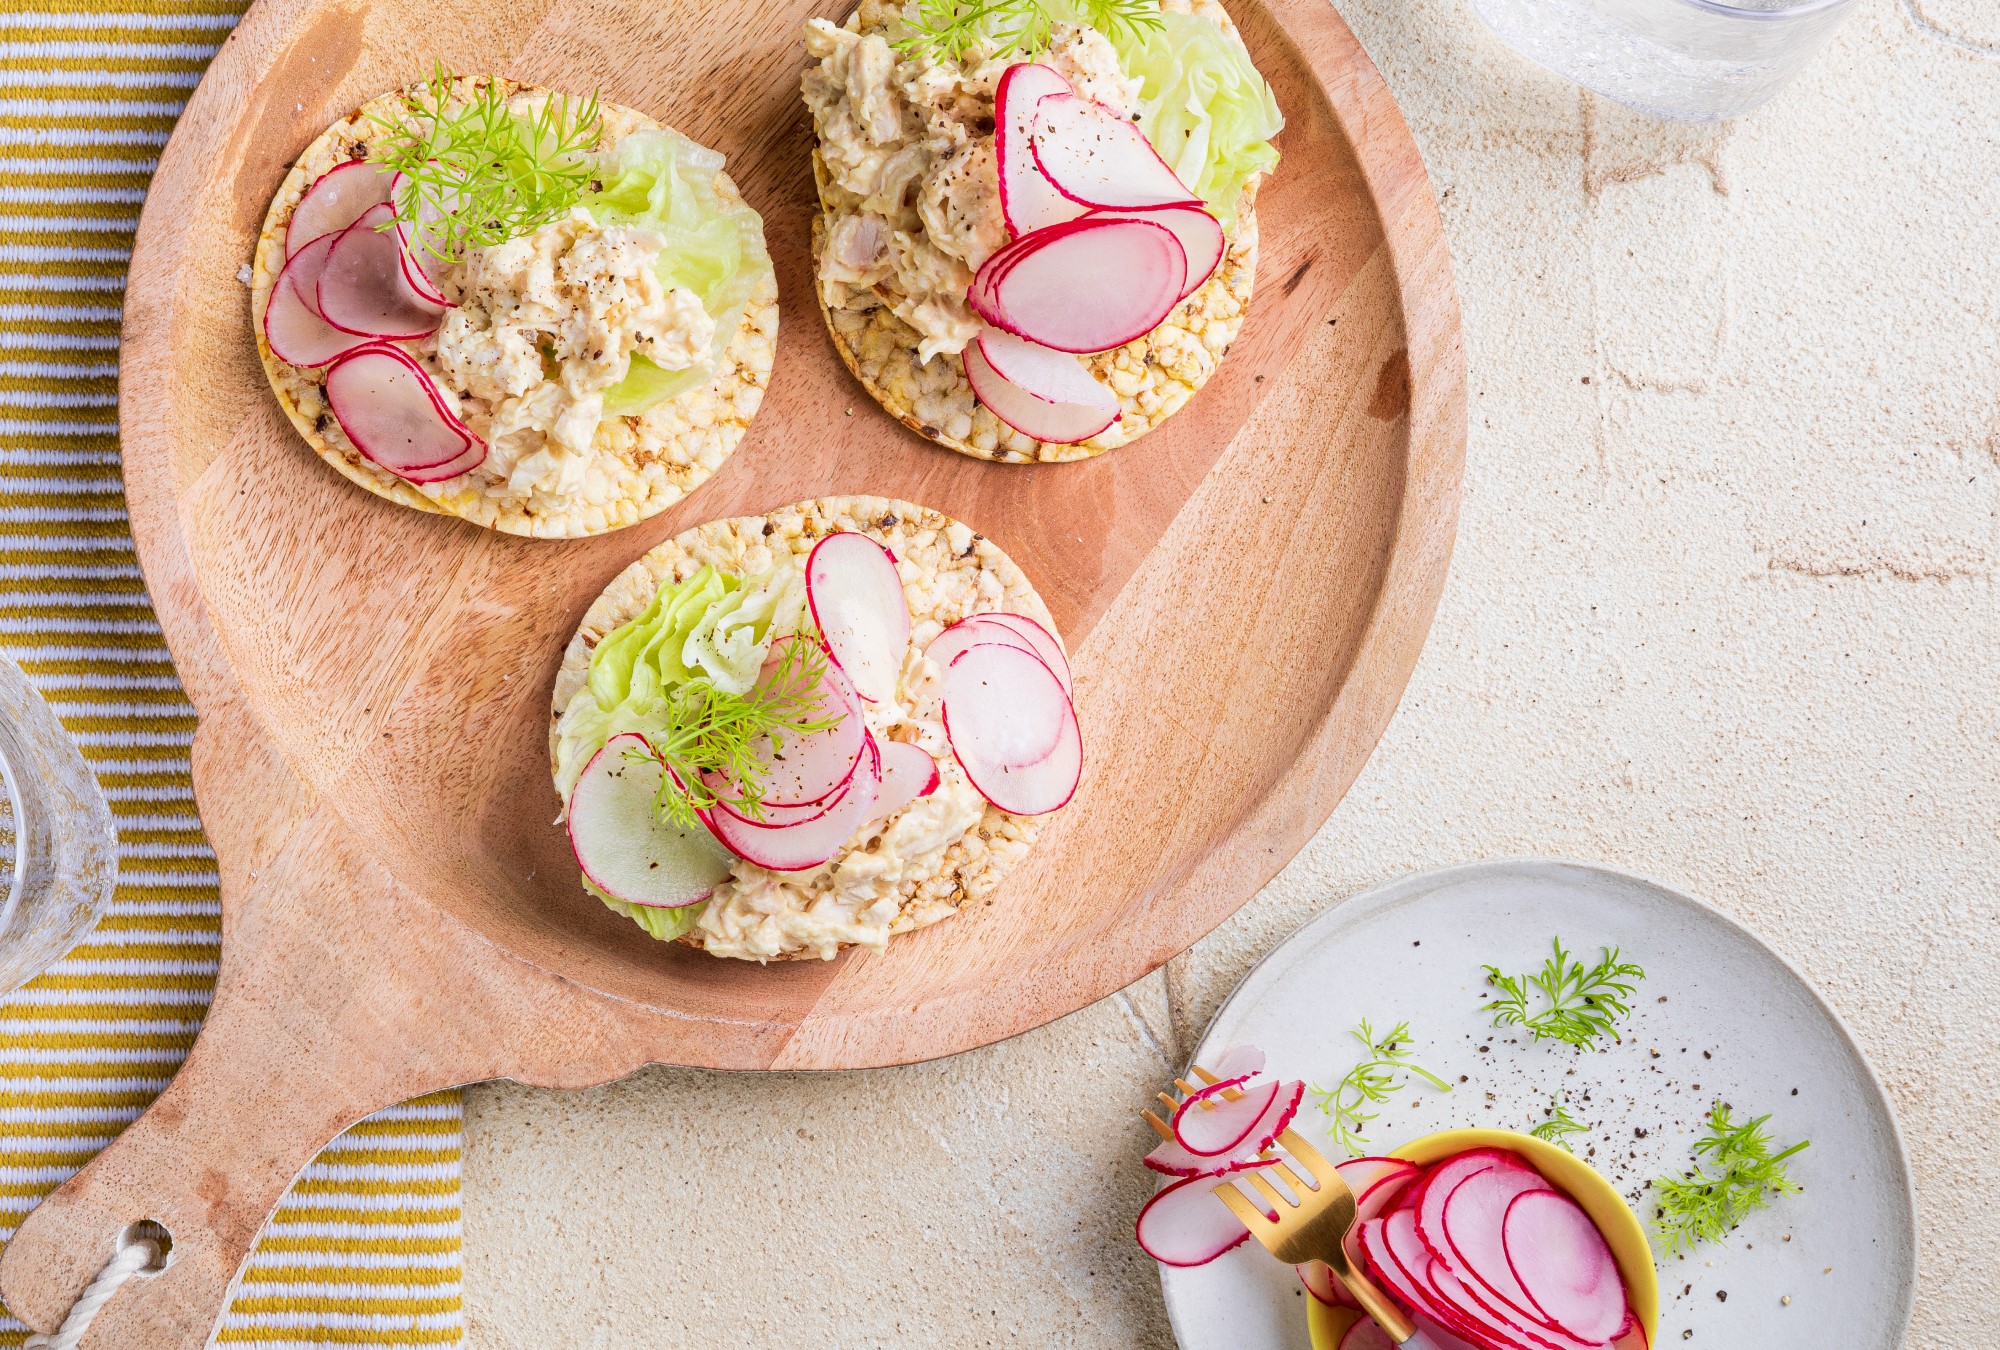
x=129, y=1261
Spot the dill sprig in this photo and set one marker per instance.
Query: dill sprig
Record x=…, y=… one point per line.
x=1583, y=1002
x=1734, y=1174
x=712, y=731
x=480, y=173
x=1559, y=1126
x=951, y=28
x=1370, y=1083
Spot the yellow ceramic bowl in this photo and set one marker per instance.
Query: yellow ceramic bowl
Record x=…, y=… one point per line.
x=1568, y=1173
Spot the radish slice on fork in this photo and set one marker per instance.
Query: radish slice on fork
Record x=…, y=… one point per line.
x=391, y=409
x=336, y=200
x=1033, y=287
x=1186, y=1225
x=364, y=290
x=1039, y=392
x=1028, y=200
x=1210, y=1123
x=1098, y=159
x=297, y=335
x=857, y=601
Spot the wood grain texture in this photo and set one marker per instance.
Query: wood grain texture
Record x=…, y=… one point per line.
x=1245, y=592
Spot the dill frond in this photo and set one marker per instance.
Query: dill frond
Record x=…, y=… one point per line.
x=1734, y=1175
x=711, y=731
x=1559, y=1126
x=1370, y=1083
x=1583, y=1002
x=478, y=173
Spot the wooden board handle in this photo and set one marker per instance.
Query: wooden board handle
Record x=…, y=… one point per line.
x=316, y=1023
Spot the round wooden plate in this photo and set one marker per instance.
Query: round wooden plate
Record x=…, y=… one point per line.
x=1244, y=591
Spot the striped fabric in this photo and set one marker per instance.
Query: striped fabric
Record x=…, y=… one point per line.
x=365, y=1250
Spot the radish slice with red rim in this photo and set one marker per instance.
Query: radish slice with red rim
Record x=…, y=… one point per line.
x=1133, y=271
x=1210, y=1123
x=810, y=769
x=1003, y=706
x=795, y=848
x=623, y=845
x=1021, y=790
x=1200, y=236
x=858, y=605
x=1186, y=1224
x=908, y=773
x=1464, y=1229
x=972, y=631
x=1039, y=392
x=420, y=265
x=1380, y=1240
x=1028, y=201
x=1564, y=1265
x=363, y=289
x=1098, y=159
x=1486, y=1317
x=1366, y=1335
x=336, y=200
x=394, y=413
x=297, y=335
x=1324, y=1285
x=1238, y=1060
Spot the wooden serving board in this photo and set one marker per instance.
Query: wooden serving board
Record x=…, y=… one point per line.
x=1244, y=592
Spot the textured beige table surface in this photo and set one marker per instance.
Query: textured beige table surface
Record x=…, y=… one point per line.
x=1723, y=610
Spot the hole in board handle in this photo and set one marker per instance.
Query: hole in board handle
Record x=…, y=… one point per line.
x=149, y=1230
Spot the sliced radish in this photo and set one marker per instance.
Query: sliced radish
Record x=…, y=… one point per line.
x=420, y=265
x=807, y=770
x=1098, y=159
x=973, y=631
x=1362, y=1175
x=363, y=289
x=795, y=848
x=1186, y=1225
x=297, y=334
x=393, y=412
x=1032, y=790
x=1200, y=236
x=1212, y=1122
x=1366, y=1335
x=1464, y=1230
x=1085, y=407
x=908, y=772
x=1480, y=1311
x=1028, y=201
x=1132, y=272
x=336, y=200
x=1389, y=1245
x=1003, y=707
x=858, y=604
x=1237, y=1061
x=1324, y=1285
x=1564, y=1265
x=623, y=845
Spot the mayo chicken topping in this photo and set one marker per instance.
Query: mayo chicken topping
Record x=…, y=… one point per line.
x=908, y=163
x=544, y=325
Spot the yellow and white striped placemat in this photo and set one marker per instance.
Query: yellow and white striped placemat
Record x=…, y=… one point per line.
x=365, y=1250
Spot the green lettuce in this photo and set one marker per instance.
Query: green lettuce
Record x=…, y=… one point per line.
x=1203, y=105
x=715, y=247
x=713, y=626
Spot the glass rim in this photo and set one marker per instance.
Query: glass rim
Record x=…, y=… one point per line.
x=1803, y=9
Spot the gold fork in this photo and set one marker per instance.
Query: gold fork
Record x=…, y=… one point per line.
x=1313, y=1227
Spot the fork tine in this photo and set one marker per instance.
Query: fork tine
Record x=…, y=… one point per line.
x=1289, y=1177
x=1160, y=1127
x=1270, y=1192
x=1168, y=1098
x=1203, y=1074
x=1189, y=1088
x=1315, y=1162
x=1256, y=1220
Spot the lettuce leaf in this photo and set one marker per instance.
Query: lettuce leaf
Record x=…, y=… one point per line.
x=664, y=182
x=1203, y=105
x=664, y=924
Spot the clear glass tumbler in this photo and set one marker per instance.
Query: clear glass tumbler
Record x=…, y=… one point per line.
x=58, y=847
x=1688, y=60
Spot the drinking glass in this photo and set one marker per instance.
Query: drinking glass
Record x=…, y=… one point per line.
x=1688, y=60
x=58, y=847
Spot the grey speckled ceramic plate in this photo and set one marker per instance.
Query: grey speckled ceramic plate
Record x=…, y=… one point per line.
x=1719, y=1015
